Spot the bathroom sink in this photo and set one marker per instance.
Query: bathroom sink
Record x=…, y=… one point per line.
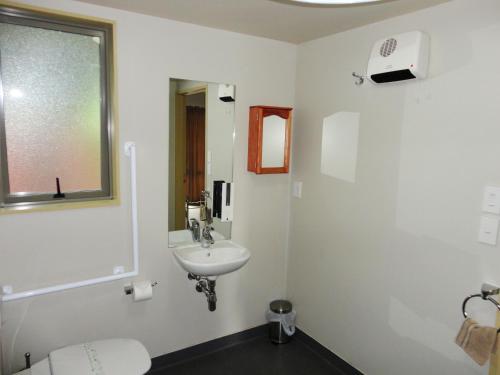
x=220, y=258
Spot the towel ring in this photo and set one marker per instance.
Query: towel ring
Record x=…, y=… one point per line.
x=485, y=296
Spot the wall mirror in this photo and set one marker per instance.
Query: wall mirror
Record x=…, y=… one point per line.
x=269, y=135
x=201, y=137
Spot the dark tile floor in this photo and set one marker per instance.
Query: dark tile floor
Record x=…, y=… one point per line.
x=255, y=357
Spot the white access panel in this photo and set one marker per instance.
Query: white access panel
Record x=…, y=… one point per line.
x=339, y=145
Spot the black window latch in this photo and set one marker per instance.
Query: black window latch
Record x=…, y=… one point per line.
x=59, y=195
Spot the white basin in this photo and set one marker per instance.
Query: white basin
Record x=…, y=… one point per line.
x=183, y=237
x=220, y=258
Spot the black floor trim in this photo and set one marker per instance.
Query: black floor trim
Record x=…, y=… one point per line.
x=209, y=347
x=325, y=353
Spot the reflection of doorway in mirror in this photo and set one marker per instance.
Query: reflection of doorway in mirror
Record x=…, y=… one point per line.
x=189, y=149
x=194, y=177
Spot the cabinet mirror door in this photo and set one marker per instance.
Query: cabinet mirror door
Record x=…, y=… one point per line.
x=273, y=142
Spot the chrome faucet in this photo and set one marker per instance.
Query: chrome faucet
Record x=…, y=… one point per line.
x=195, y=230
x=206, y=237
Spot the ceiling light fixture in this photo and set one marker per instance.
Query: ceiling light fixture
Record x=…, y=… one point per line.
x=335, y=2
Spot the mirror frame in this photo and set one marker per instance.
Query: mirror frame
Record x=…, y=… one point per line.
x=255, y=140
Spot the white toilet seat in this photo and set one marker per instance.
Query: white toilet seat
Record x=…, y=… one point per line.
x=106, y=357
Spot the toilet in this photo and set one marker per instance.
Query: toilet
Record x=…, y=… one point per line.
x=104, y=357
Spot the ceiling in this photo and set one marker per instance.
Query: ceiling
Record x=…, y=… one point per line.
x=275, y=19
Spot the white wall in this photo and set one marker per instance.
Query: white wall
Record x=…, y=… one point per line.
x=39, y=249
x=378, y=268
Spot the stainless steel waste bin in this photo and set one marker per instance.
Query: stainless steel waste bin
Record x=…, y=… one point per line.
x=277, y=333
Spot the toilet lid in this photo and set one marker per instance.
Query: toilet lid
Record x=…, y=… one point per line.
x=105, y=357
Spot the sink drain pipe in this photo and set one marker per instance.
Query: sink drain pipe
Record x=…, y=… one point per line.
x=206, y=286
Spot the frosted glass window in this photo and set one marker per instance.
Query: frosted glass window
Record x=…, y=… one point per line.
x=56, y=120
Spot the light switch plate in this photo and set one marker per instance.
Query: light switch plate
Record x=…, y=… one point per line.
x=297, y=189
x=488, y=230
x=491, y=200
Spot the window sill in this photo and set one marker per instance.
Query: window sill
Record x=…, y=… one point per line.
x=59, y=206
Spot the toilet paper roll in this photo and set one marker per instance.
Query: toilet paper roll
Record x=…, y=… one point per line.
x=142, y=290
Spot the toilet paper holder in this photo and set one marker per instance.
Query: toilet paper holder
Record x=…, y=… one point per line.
x=129, y=289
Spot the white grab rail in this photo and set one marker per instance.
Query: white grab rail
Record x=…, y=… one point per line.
x=130, y=152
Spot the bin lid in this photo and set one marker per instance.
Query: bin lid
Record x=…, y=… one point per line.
x=281, y=306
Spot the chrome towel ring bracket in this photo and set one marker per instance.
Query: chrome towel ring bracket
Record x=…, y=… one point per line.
x=487, y=290
x=360, y=79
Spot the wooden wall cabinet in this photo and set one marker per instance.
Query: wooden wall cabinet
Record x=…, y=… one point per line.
x=269, y=134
